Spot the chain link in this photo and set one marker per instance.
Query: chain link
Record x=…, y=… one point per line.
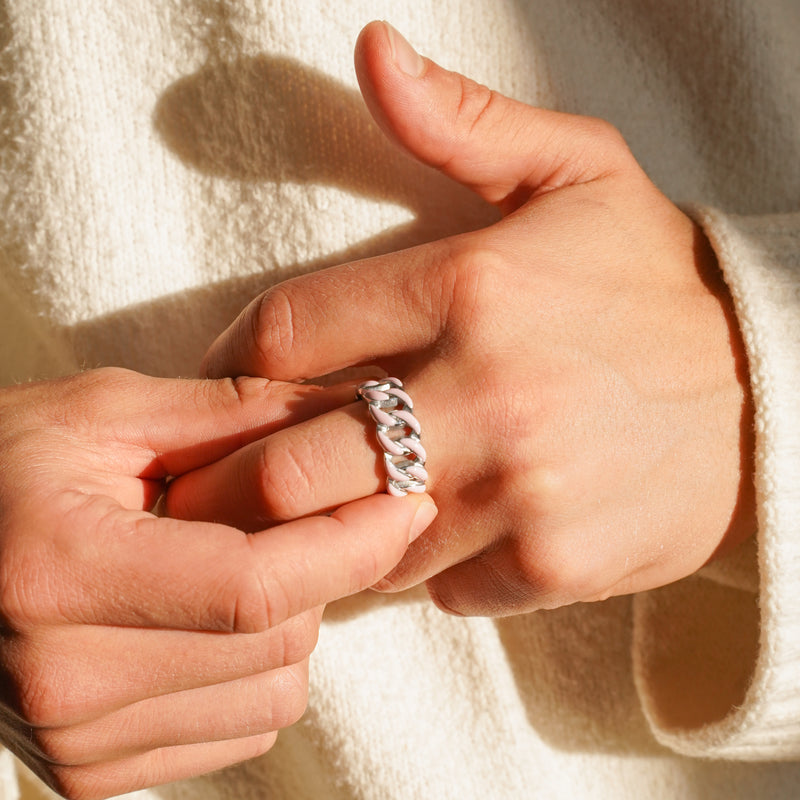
x=398, y=434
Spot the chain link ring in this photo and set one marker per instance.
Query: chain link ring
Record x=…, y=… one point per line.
x=398, y=433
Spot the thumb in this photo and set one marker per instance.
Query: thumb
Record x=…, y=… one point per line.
x=504, y=150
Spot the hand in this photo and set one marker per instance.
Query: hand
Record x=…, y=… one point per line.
x=576, y=367
x=137, y=650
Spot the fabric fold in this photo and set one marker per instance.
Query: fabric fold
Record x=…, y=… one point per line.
x=716, y=666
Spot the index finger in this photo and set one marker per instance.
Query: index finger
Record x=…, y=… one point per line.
x=345, y=315
x=145, y=571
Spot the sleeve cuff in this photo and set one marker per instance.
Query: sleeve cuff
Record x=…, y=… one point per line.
x=717, y=664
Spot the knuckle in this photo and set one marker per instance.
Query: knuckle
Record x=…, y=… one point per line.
x=299, y=637
x=42, y=700
x=474, y=104
x=232, y=397
x=516, y=577
x=600, y=128
x=275, y=328
x=542, y=570
x=506, y=410
x=243, y=391
x=488, y=584
x=605, y=139
x=74, y=783
x=274, y=700
x=545, y=547
x=554, y=568
x=288, y=696
x=256, y=600
x=57, y=747
x=285, y=480
x=45, y=681
x=251, y=605
x=50, y=688
x=473, y=279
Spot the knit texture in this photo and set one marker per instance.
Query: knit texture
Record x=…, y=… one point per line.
x=748, y=704
x=163, y=161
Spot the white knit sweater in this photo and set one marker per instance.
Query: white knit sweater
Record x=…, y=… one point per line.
x=162, y=161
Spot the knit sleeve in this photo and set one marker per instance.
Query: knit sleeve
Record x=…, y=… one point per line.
x=717, y=656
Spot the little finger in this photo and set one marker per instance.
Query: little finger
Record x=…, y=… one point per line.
x=254, y=705
x=111, y=778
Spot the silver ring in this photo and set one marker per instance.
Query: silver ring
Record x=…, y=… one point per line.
x=398, y=435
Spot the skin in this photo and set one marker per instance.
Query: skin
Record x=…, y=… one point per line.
x=136, y=649
x=576, y=367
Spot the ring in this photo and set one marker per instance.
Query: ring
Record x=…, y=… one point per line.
x=398, y=435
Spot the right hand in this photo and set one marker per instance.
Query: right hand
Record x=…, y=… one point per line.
x=137, y=650
x=577, y=368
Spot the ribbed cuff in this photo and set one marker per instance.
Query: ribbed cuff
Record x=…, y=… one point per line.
x=717, y=667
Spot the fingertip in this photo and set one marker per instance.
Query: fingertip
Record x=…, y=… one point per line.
x=420, y=510
x=370, y=33
x=424, y=515
x=380, y=43
x=372, y=53
x=384, y=60
x=372, y=47
x=385, y=505
x=412, y=514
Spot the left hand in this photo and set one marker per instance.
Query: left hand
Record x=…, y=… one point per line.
x=576, y=367
x=137, y=650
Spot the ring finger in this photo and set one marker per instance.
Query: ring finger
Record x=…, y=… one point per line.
x=332, y=459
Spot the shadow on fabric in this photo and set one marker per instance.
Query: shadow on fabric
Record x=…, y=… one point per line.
x=260, y=120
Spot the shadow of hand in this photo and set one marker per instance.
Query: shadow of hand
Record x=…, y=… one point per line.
x=269, y=118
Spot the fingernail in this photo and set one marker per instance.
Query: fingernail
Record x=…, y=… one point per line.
x=426, y=513
x=408, y=60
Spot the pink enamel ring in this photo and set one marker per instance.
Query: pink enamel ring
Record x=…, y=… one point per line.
x=398, y=434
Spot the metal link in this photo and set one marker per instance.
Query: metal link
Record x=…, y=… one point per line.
x=398, y=433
